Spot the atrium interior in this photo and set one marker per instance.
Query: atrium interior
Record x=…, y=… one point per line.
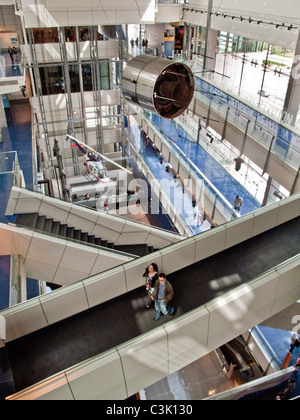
x=144, y=133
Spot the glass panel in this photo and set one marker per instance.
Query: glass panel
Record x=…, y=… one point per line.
x=52, y=80
x=87, y=77
x=45, y=35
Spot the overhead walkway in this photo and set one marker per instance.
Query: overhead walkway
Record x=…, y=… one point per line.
x=226, y=281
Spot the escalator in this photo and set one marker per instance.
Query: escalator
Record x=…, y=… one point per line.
x=237, y=354
x=42, y=224
x=59, y=346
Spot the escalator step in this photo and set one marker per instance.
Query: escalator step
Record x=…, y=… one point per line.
x=41, y=223
x=91, y=239
x=84, y=237
x=70, y=232
x=55, y=228
x=48, y=225
x=139, y=250
x=77, y=235
x=27, y=219
x=63, y=230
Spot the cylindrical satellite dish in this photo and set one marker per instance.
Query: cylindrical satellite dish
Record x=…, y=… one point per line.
x=158, y=85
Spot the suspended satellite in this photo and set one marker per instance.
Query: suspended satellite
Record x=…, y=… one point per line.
x=159, y=86
x=94, y=160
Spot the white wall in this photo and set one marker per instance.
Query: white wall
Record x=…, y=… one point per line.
x=271, y=11
x=91, y=12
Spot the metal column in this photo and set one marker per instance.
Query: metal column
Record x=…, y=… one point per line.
x=68, y=94
x=96, y=81
x=39, y=93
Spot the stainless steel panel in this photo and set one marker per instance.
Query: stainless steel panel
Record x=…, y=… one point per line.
x=158, y=85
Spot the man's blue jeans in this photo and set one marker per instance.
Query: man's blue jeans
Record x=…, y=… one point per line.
x=161, y=309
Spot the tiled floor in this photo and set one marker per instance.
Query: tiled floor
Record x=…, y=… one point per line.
x=16, y=136
x=219, y=177
x=280, y=342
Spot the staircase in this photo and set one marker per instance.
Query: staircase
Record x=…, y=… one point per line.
x=40, y=223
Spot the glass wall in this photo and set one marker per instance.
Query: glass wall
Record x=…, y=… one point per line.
x=53, y=81
x=255, y=70
x=50, y=35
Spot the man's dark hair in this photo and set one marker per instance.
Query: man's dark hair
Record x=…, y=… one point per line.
x=162, y=276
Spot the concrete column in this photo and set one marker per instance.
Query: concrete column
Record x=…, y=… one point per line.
x=292, y=100
x=3, y=121
x=210, y=43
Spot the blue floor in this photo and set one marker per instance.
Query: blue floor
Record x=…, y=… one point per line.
x=182, y=201
x=280, y=342
x=15, y=137
x=218, y=176
x=4, y=281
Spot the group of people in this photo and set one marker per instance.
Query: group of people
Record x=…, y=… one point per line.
x=136, y=42
x=160, y=292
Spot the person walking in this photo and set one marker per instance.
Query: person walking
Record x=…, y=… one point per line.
x=294, y=342
x=23, y=90
x=162, y=295
x=151, y=275
x=15, y=53
x=11, y=53
x=238, y=202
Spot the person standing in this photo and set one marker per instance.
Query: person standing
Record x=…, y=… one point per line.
x=15, y=53
x=294, y=341
x=162, y=295
x=23, y=90
x=151, y=275
x=11, y=53
x=238, y=202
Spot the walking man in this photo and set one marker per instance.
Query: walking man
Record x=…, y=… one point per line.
x=238, y=202
x=162, y=294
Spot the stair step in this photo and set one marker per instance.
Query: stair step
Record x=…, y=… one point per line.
x=28, y=220
x=48, y=225
x=98, y=241
x=41, y=223
x=55, y=228
x=70, y=233
x=91, y=239
x=63, y=230
x=139, y=250
x=77, y=235
x=84, y=237
x=150, y=249
x=104, y=243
